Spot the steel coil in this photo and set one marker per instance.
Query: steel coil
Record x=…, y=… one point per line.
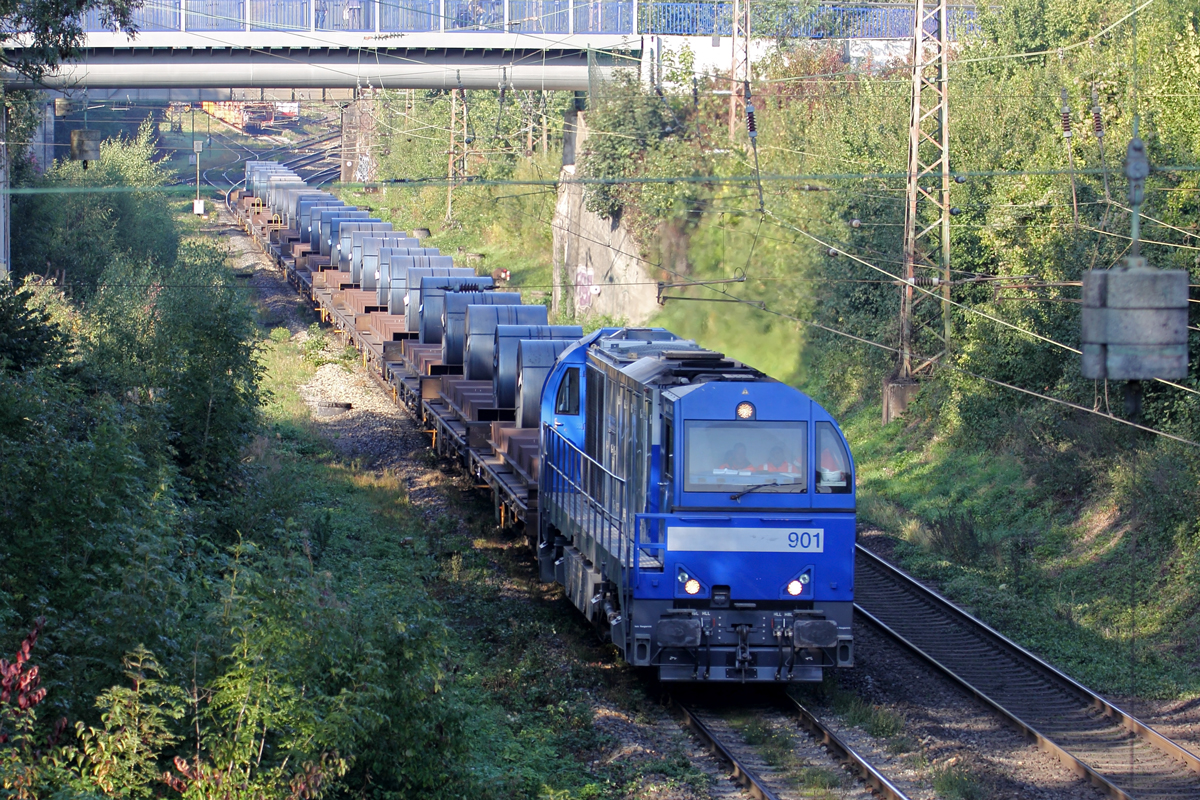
x=331, y=233
x=406, y=287
x=433, y=295
x=359, y=248
x=310, y=209
x=504, y=355
x=343, y=242
x=412, y=296
x=392, y=279
x=454, y=319
x=535, y=359
x=373, y=250
x=278, y=194
x=319, y=230
x=481, y=323
x=293, y=209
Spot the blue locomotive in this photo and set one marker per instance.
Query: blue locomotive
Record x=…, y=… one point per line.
x=698, y=512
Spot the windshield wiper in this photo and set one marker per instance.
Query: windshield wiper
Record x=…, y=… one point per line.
x=755, y=488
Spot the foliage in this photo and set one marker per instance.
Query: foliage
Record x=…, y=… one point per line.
x=52, y=30
x=27, y=338
x=625, y=126
x=120, y=759
x=64, y=227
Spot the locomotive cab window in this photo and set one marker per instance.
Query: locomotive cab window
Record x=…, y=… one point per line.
x=567, y=401
x=724, y=456
x=832, y=471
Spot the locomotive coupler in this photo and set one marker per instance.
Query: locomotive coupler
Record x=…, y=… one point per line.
x=742, y=654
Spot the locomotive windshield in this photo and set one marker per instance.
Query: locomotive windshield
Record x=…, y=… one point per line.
x=719, y=456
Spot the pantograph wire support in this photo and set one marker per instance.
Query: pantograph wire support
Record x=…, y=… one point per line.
x=1098, y=128
x=752, y=130
x=1066, y=129
x=928, y=160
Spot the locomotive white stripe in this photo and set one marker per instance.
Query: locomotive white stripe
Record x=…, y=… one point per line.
x=746, y=540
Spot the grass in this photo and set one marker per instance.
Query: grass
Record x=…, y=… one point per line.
x=953, y=782
x=777, y=748
x=1059, y=575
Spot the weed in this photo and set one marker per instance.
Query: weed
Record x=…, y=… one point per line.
x=776, y=747
x=899, y=745
x=875, y=720
x=280, y=335
x=954, y=534
x=816, y=778
x=315, y=344
x=954, y=782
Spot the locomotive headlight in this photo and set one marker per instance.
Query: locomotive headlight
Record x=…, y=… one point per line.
x=745, y=410
x=796, y=586
x=692, y=586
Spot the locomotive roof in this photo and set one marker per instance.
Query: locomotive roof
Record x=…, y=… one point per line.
x=655, y=356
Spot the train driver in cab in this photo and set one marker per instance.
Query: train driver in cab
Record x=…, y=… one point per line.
x=777, y=461
x=737, y=458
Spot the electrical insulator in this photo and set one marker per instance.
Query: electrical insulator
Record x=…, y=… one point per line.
x=955, y=211
x=856, y=223
x=832, y=252
x=960, y=178
x=1066, y=115
x=1097, y=121
x=751, y=124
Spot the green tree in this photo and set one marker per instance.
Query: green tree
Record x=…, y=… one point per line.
x=51, y=31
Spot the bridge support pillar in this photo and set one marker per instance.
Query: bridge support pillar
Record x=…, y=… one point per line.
x=358, y=128
x=5, y=197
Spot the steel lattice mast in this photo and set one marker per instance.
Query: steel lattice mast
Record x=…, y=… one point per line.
x=928, y=163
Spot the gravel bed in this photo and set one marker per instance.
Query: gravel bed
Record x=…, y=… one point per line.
x=945, y=728
x=1176, y=719
x=787, y=780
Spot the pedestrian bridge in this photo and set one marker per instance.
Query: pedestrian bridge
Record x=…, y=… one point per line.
x=442, y=44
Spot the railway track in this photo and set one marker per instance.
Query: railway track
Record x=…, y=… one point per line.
x=1116, y=752
x=319, y=176
x=703, y=726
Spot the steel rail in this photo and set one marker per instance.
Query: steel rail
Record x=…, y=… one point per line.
x=1048, y=672
x=741, y=775
x=844, y=752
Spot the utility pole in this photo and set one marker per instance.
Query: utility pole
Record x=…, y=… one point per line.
x=739, y=69
x=451, y=154
x=928, y=166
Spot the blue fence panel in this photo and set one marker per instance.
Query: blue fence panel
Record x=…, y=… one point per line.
x=604, y=16
x=827, y=21
x=539, y=16
x=686, y=19
x=694, y=18
x=410, y=15
x=280, y=15
x=475, y=15
x=345, y=15
x=155, y=15
x=216, y=15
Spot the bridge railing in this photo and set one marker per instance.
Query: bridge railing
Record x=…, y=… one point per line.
x=694, y=18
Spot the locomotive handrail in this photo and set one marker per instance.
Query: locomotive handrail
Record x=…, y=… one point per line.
x=586, y=473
